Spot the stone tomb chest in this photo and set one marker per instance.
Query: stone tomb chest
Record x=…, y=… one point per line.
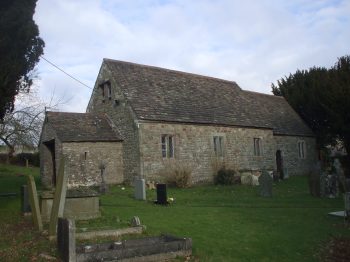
x=81, y=204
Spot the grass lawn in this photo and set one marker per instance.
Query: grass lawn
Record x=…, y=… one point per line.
x=226, y=223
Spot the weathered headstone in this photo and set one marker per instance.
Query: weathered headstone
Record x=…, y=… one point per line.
x=265, y=184
x=59, y=198
x=347, y=204
x=246, y=178
x=333, y=186
x=103, y=186
x=135, y=222
x=66, y=239
x=323, y=184
x=25, y=205
x=343, y=185
x=34, y=203
x=140, y=189
x=315, y=180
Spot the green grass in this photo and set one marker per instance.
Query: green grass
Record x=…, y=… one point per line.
x=232, y=223
x=226, y=223
x=18, y=240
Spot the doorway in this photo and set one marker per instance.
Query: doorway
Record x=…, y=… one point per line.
x=279, y=164
x=52, y=161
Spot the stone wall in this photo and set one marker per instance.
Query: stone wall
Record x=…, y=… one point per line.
x=290, y=152
x=194, y=148
x=122, y=116
x=193, y=143
x=83, y=160
x=46, y=161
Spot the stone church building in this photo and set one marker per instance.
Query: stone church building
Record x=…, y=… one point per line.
x=142, y=118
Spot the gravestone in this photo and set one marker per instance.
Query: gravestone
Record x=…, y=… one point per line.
x=140, y=189
x=323, y=184
x=161, y=194
x=316, y=181
x=135, y=222
x=265, y=184
x=25, y=205
x=34, y=203
x=59, y=198
x=285, y=173
x=347, y=204
x=103, y=186
x=343, y=185
x=66, y=239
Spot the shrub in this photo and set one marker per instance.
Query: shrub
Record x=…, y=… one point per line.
x=225, y=177
x=180, y=178
x=177, y=174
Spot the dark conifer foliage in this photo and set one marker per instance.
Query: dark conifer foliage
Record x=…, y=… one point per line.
x=321, y=96
x=20, y=50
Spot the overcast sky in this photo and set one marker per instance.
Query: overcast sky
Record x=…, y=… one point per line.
x=253, y=43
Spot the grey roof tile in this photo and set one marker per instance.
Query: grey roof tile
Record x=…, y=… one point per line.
x=168, y=95
x=79, y=127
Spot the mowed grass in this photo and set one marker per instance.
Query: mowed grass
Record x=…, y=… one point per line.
x=226, y=223
x=233, y=223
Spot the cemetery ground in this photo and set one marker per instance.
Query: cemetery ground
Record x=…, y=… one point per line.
x=226, y=223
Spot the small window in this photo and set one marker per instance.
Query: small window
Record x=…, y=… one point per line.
x=106, y=90
x=301, y=149
x=109, y=90
x=257, y=147
x=85, y=155
x=167, y=146
x=218, y=146
x=102, y=86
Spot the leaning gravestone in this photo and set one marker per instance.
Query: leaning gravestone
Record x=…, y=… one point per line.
x=59, y=198
x=140, y=189
x=135, y=221
x=265, y=184
x=34, y=203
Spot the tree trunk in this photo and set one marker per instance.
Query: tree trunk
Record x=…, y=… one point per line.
x=10, y=153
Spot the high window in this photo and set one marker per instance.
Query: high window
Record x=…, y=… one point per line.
x=167, y=146
x=106, y=90
x=301, y=149
x=257, y=147
x=218, y=146
x=109, y=90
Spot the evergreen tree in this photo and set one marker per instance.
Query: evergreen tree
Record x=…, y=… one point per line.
x=20, y=50
x=321, y=96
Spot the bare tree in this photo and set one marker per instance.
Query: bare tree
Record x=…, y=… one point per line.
x=23, y=125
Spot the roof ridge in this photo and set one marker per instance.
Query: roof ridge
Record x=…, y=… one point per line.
x=173, y=70
x=80, y=113
x=264, y=94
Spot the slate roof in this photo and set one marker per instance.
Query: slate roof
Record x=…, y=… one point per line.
x=81, y=127
x=167, y=95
